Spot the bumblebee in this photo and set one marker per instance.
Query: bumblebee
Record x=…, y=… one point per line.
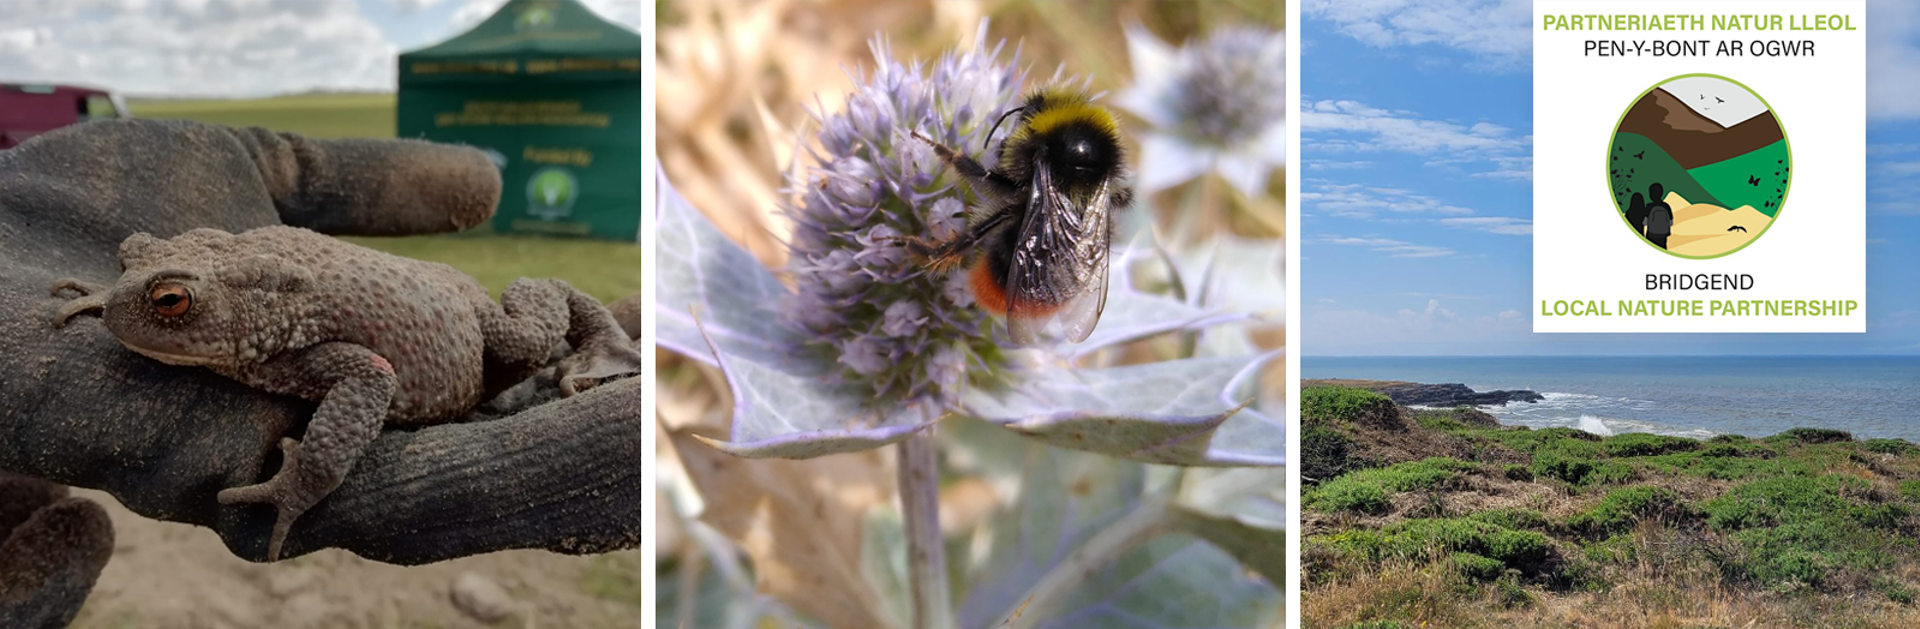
x=1038, y=238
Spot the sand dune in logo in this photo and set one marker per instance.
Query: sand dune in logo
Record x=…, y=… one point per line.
x=1704, y=229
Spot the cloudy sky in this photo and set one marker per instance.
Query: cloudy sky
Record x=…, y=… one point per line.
x=234, y=47
x=1416, y=144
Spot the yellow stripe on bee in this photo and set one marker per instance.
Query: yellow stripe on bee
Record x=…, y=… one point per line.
x=1062, y=108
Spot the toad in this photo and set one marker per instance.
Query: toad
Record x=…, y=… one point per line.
x=376, y=339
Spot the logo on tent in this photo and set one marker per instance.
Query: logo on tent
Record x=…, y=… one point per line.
x=551, y=192
x=534, y=18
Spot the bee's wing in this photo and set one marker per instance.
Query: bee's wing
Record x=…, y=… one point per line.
x=1059, y=266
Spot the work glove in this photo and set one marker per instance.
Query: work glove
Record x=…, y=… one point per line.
x=77, y=408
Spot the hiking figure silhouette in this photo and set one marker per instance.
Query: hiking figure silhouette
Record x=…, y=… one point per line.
x=1659, y=221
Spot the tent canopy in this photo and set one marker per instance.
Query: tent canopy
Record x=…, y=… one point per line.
x=552, y=93
x=555, y=40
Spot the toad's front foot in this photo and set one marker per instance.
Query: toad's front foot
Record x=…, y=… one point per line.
x=92, y=299
x=598, y=363
x=291, y=491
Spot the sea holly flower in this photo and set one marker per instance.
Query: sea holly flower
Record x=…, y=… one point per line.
x=1217, y=105
x=868, y=347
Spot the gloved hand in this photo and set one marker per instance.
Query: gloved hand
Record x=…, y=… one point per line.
x=52, y=549
x=79, y=409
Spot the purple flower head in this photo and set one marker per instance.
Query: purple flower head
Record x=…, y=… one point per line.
x=862, y=304
x=1233, y=87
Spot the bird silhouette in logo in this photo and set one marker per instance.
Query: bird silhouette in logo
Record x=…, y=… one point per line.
x=1753, y=181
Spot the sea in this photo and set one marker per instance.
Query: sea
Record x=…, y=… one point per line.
x=1699, y=397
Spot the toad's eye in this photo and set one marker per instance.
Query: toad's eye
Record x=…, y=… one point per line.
x=171, y=300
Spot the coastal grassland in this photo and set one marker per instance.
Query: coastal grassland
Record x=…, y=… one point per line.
x=312, y=115
x=1444, y=518
x=606, y=270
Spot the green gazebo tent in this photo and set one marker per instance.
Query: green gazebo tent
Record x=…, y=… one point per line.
x=552, y=92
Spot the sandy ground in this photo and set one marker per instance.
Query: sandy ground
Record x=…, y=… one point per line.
x=1701, y=229
x=166, y=575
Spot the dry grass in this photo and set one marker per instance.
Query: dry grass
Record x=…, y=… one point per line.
x=1433, y=594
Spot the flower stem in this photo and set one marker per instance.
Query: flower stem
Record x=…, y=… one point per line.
x=919, y=468
x=1150, y=520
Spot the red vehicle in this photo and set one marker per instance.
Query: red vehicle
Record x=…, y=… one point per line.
x=28, y=109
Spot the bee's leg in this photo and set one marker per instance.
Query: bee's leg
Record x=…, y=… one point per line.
x=985, y=182
x=942, y=256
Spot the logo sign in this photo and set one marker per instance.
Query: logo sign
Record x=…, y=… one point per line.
x=534, y=18
x=1699, y=166
x=551, y=192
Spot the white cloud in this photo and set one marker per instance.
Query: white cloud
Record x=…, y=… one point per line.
x=1361, y=201
x=1398, y=248
x=471, y=12
x=1351, y=126
x=221, y=47
x=1495, y=30
x=1504, y=225
x=1893, y=60
x=196, y=47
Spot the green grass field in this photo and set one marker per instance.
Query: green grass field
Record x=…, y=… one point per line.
x=315, y=115
x=606, y=270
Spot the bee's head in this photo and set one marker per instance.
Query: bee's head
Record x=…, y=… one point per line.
x=1080, y=140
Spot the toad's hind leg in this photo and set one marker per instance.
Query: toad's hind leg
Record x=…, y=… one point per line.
x=355, y=387
x=521, y=331
x=535, y=315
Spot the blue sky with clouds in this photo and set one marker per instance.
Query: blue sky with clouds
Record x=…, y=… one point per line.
x=1416, y=193
x=235, y=48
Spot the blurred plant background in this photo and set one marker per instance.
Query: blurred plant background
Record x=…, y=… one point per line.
x=820, y=541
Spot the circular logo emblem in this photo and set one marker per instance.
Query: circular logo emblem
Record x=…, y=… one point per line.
x=533, y=18
x=1699, y=167
x=551, y=192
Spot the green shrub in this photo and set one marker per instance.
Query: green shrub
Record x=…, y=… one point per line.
x=1896, y=447
x=1419, y=539
x=1812, y=435
x=1723, y=450
x=1610, y=473
x=1621, y=508
x=1802, y=529
x=1321, y=404
x=1324, y=453
x=1646, y=444
x=1910, y=490
x=1371, y=490
x=1617, y=550
x=1571, y=469
x=1477, y=567
x=1339, y=496
x=1435, y=421
x=1896, y=590
x=1772, y=501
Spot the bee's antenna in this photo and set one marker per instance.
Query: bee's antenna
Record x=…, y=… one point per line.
x=996, y=124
